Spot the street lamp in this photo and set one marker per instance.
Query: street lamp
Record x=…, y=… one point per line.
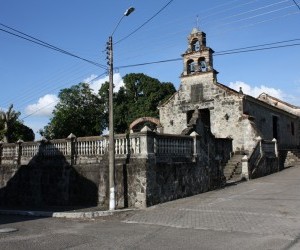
x=111, y=139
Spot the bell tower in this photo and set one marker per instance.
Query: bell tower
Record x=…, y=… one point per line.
x=198, y=59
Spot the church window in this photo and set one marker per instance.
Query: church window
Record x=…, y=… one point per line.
x=195, y=45
x=190, y=66
x=202, y=64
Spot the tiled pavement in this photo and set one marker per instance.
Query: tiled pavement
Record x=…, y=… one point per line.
x=269, y=206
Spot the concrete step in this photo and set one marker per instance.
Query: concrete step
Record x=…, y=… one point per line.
x=233, y=168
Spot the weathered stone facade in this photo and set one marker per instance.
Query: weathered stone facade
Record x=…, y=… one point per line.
x=225, y=112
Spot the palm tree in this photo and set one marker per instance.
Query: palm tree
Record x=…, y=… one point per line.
x=8, y=118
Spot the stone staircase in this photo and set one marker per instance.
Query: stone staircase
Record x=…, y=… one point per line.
x=233, y=168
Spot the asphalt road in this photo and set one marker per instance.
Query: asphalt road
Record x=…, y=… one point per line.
x=259, y=214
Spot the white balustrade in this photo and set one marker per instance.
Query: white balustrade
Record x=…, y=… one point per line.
x=9, y=150
x=30, y=149
x=136, y=144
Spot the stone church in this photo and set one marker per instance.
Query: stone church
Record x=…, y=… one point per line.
x=201, y=99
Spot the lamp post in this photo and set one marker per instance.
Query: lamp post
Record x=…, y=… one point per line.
x=111, y=139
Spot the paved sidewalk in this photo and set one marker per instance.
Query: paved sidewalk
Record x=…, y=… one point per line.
x=268, y=207
x=259, y=214
x=70, y=213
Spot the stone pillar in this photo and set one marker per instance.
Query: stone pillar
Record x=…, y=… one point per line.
x=245, y=168
x=276, y=153
x=71, y=148
x=18, y=153
x=259, y=139
x=1, y=149
x=275, y=146
x=146, y=141
x=196, y=146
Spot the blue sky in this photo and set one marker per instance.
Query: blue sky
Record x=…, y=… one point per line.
x=31, y=75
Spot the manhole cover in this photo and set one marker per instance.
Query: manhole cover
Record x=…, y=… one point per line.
x=8, y=230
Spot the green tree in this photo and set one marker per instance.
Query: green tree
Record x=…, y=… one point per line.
x=12, y=129
x=83, y=113
x=79, y=111
x=139, y=97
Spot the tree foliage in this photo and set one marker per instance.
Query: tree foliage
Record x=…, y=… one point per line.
x=83, y=113
x=12, y=129
x=139, y=97
x=79, y=111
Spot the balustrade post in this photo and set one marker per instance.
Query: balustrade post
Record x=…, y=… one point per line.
x=18, y=152
x=276, y=152
x=245, y=168
x=1, y=150
x=71, y=152
x=146, y=141
x=275, y=146
x=259, y=139
x=196, y=138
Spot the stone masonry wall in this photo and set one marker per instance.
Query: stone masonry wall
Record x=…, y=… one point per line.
x=49, y=184
x=263, y=118
x=225, y=107
x=150, y=168
x=173, y=180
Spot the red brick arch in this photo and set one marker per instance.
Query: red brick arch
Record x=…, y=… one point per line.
x=143, y=120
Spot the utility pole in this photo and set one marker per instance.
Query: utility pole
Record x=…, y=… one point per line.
x=111, y=140
x=111, y=137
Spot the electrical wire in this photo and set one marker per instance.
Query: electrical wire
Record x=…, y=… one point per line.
x=165, y=34
x=258, y=15
x=225, y=10
x=24, y=117
x=142, y=25
x=296, y=4
x=150, y=20
x=252, y=24
x=43, y=85
x=253, y=10
x=228, y=52
x=255, y=46
x=32, y=39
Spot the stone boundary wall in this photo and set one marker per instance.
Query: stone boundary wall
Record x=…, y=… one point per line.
x=150, y=168
x=263, y=160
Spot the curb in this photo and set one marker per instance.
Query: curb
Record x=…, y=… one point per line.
x=67, y=215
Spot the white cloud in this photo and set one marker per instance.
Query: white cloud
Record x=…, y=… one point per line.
x=43, y=107
x=96, y=84
x=256, y=91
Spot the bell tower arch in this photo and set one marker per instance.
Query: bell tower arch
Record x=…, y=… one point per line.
x=198, y=58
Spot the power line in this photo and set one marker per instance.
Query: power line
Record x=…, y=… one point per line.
x=231, y=8
x=253, y=10
x=261, y=45
x=52, y=83
x=32, y=39
x=147, y=63
x=138, y=28
x=258, y=49
x=258, y=15
x=240, y=13
x=296, y=4
x=221, y=53
x=225, y=52
x=95, y=78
